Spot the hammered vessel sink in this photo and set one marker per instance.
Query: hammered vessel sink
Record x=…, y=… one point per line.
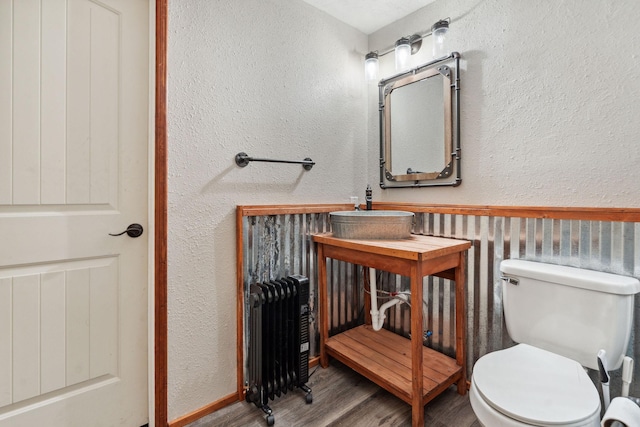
x=371, y=224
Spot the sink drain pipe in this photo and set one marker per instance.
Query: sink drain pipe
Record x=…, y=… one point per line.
x=378, y=316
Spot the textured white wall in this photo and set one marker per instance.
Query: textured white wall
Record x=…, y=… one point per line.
x=550, y=111
x=272, y=78
x=549, y=117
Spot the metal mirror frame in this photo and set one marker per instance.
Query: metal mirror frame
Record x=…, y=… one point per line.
x=389, y=89
x=451, y=142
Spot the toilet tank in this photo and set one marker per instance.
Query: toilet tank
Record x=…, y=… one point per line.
x=569, y=311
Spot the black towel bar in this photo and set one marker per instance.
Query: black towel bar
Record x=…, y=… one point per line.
x=243, y=159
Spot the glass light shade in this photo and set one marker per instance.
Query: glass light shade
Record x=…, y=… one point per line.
x=371, y=67
x=403, y=53
x=439, y=32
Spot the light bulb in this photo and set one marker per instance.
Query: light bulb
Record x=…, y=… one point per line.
x=371, y=67
x=439, y=32
x=403, y=53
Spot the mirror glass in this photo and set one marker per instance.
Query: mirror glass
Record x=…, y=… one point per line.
x=418, y=132
x=417, y=147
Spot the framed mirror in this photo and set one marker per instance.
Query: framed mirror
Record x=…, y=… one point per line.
x=419, y=129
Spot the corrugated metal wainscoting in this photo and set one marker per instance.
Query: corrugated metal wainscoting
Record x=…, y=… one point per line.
x=279, y=245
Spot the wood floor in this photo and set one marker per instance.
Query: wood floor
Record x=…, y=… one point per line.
x=343, y=398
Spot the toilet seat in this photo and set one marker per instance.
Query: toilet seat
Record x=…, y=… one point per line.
x=536, y=387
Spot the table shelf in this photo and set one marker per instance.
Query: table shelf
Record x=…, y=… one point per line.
x=385, y=358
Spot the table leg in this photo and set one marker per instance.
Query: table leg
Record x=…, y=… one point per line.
x=417, y=408
x=322, y=305
x=461, y=323
x=367, y=296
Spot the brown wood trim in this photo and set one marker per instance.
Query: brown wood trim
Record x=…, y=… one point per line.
x=553, y=212
x=259, y=210
x=205, y=410
x=578, y=213
x=314, y=361
x=219, y=404
x=160, y=219
x=239, y=306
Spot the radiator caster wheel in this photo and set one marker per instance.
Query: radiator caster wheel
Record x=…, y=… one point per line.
x=309, y=398
x=271, y=420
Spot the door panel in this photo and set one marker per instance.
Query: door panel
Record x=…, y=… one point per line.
x=5, y=342
x=73, y=132
x=6, y=103
x=53, y=94
x=64, y=116
x=64, y=325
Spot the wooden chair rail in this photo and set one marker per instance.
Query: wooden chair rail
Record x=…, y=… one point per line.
x=552, y=212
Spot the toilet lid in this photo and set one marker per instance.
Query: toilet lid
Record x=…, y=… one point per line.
x=536, y=386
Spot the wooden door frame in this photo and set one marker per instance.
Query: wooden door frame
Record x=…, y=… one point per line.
x=160, y=219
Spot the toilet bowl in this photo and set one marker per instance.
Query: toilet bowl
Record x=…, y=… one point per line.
x=528, y=386
x=561, y=317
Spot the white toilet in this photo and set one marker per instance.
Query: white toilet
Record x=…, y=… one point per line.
x=561, y=316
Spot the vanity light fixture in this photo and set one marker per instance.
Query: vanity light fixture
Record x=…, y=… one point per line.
x=371, y=66
x=407, y=46
x=403, y=53
x=439, y=31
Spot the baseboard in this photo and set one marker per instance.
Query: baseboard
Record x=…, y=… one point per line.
x=314, y=361
x=205, y=410
x=217, y=405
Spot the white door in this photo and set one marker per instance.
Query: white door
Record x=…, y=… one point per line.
x=74, y=120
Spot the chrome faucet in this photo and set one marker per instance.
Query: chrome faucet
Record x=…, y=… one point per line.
x=368, y=199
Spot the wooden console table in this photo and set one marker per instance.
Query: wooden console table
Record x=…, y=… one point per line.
x=412, y=372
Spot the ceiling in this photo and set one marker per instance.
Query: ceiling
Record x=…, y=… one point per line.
x=369, y=16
